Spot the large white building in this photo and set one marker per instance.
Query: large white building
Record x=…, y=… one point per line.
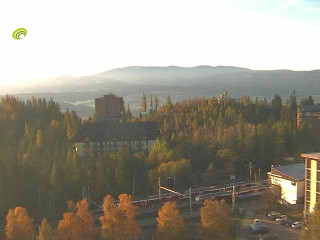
x=290, y=179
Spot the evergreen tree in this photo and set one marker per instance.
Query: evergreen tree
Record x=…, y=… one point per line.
x=129, y=114
x=151, y=104
x=144, y=103
x=156, y=102
x=46, y=232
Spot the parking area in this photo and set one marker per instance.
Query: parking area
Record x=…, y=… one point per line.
x=283, y=232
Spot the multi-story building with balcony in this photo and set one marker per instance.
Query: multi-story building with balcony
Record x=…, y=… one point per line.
x=312, y=181
x=307, y=112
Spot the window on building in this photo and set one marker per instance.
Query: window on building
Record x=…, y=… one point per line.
x=308, y=174
x=318, y=165
x=318, y=187
x=308, y=163
x=308, y=196
x=307, y=206
x=318, y=176
x=308, y=185
x=318, y=197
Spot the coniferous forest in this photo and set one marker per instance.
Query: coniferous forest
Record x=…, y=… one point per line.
x=204, y=135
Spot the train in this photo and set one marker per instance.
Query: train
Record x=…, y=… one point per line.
x=200, y=194
x=227, y=195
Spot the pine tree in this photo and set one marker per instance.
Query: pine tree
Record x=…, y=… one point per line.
x=129, y=114
x=156, y=102
x=46, y=232
x=151, y=104
x=144, y=103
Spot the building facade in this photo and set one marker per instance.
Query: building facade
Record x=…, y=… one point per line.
x=109, y=107
x=312, y=181
x=290, y=179
x=108, y=134
x=307, y=112
x=111, y=136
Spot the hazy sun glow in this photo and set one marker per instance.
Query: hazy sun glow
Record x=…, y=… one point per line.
x=86, y=37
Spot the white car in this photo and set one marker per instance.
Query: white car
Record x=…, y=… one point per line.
x=273, y=215
x=256, y=221
x=280, y=218
x=297, y=225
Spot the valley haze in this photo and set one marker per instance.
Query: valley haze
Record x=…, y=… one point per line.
x=78, y=93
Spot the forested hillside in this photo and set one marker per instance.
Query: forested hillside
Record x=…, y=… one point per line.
x=228, y=135
x=196, y=136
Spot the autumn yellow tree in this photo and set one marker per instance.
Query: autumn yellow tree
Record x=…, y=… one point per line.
x=46, y=232
x=215, y=220
x=77, y=225
x=86, y=218
x=170, y=224
x=19, y=225
x=118, y=222
x=70, y=227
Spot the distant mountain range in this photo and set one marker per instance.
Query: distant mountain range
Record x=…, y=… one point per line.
x=178, y=82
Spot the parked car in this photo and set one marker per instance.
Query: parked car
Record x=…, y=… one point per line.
x=273, y=215
x=280, y=218
x=256, y=225
x=260, y=229
x=297, y=225
x=286, y=222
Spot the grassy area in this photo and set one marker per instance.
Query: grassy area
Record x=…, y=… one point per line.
x=295, y=214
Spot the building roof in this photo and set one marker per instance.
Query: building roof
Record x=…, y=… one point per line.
x=102, y=131
x=310, y=108
x=315, y=155
x=293, y=172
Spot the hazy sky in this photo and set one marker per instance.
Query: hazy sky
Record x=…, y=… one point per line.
x=74, y=37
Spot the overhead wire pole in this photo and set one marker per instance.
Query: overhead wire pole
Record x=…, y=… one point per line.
x=190, y=201
x=133, y=187
x=159, y=189
x=233, y=196
x=39, y=200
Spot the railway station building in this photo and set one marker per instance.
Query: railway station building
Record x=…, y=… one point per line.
x=290, y=180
